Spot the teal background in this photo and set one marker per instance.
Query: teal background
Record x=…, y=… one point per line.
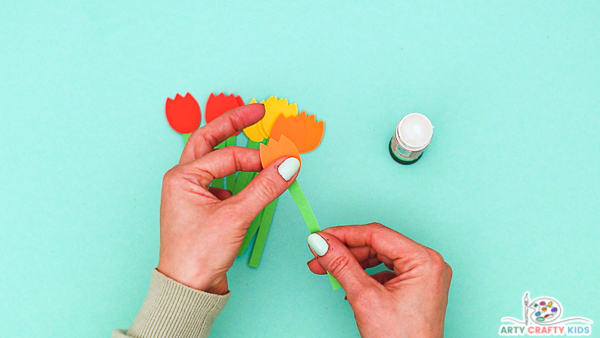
x=507, y=191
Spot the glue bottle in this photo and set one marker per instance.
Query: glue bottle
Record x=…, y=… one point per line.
x=412, y=136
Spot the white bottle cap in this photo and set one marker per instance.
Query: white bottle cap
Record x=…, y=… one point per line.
x=415, y=131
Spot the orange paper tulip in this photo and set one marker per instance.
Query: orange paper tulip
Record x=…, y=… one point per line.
x=277, y=149
x=303, y=130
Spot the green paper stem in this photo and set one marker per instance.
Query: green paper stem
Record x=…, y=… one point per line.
x=186, y=137
x=309, y=219
x=231, y=178
x=218, y=182
x=244, y=177
x=334, y=283
x=305, y=209
x=263, y=233
x=250, y=232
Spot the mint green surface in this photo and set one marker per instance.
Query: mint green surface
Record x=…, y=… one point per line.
x=507, y=192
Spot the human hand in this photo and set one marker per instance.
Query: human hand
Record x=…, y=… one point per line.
x=202, y=228
x=409, y=301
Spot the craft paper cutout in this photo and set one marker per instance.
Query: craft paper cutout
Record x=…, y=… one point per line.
x=215, y=107
x=305, y=209
x=273, y=108
x=293, y=129
x=277, y=149
x=183, y=113
x=244, y=177
x=263, y=232
x=231, y=178
x=219, y=182
x=314, y=133
x=309, y=219
x=304, y=131
x=282, y=132
x=252, y=132
x=220, y=104
x=251, y=232
x=262, y=131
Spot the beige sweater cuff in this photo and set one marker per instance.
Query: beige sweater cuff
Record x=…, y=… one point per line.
x=172, y=309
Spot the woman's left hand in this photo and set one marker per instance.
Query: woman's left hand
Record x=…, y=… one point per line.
x=202, y=228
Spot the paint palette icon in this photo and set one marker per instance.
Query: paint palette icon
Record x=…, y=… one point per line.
x=545, y=310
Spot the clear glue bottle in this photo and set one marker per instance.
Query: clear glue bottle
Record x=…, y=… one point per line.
x=412, y=136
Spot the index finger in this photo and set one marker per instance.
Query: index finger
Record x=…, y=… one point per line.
x=205, y=139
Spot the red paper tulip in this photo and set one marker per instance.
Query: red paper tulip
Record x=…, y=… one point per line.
x=220, y=104
x=183, y=113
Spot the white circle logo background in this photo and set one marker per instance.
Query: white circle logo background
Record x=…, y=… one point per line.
x=537, y=305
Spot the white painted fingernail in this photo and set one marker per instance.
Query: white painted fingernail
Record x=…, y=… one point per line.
x=289, y=168
x=317, y=244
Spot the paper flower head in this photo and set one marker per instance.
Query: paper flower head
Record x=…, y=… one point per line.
x=218, y=105
x=274, y=107
x=292, y=136
x=183, y=113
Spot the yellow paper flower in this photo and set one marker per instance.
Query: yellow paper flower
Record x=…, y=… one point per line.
x=253, y=131
x=274, y=107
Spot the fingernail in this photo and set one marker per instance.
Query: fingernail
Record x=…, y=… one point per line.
x=317, y=244
x=289, y=168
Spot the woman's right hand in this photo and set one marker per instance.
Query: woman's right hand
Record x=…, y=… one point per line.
x=409, y=301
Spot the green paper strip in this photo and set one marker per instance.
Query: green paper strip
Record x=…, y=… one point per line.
x=245, y=177
x=218, y=182
x=334, y=283
x=305, y=209
x=310, y=219
x=231, y=178
x=250, y=232
x=252, y=145
x=263, y=233
x=186, y=137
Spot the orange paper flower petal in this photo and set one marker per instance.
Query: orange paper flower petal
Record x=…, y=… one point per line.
x=292, y=128
x=278, y=149
x=314, y=134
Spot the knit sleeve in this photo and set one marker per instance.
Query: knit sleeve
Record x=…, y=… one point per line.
x=172, y=309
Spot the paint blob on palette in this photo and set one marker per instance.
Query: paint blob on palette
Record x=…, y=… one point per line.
x=545, y=310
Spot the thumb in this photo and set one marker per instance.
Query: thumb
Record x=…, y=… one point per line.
x=267, y=186
x=335, y=257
